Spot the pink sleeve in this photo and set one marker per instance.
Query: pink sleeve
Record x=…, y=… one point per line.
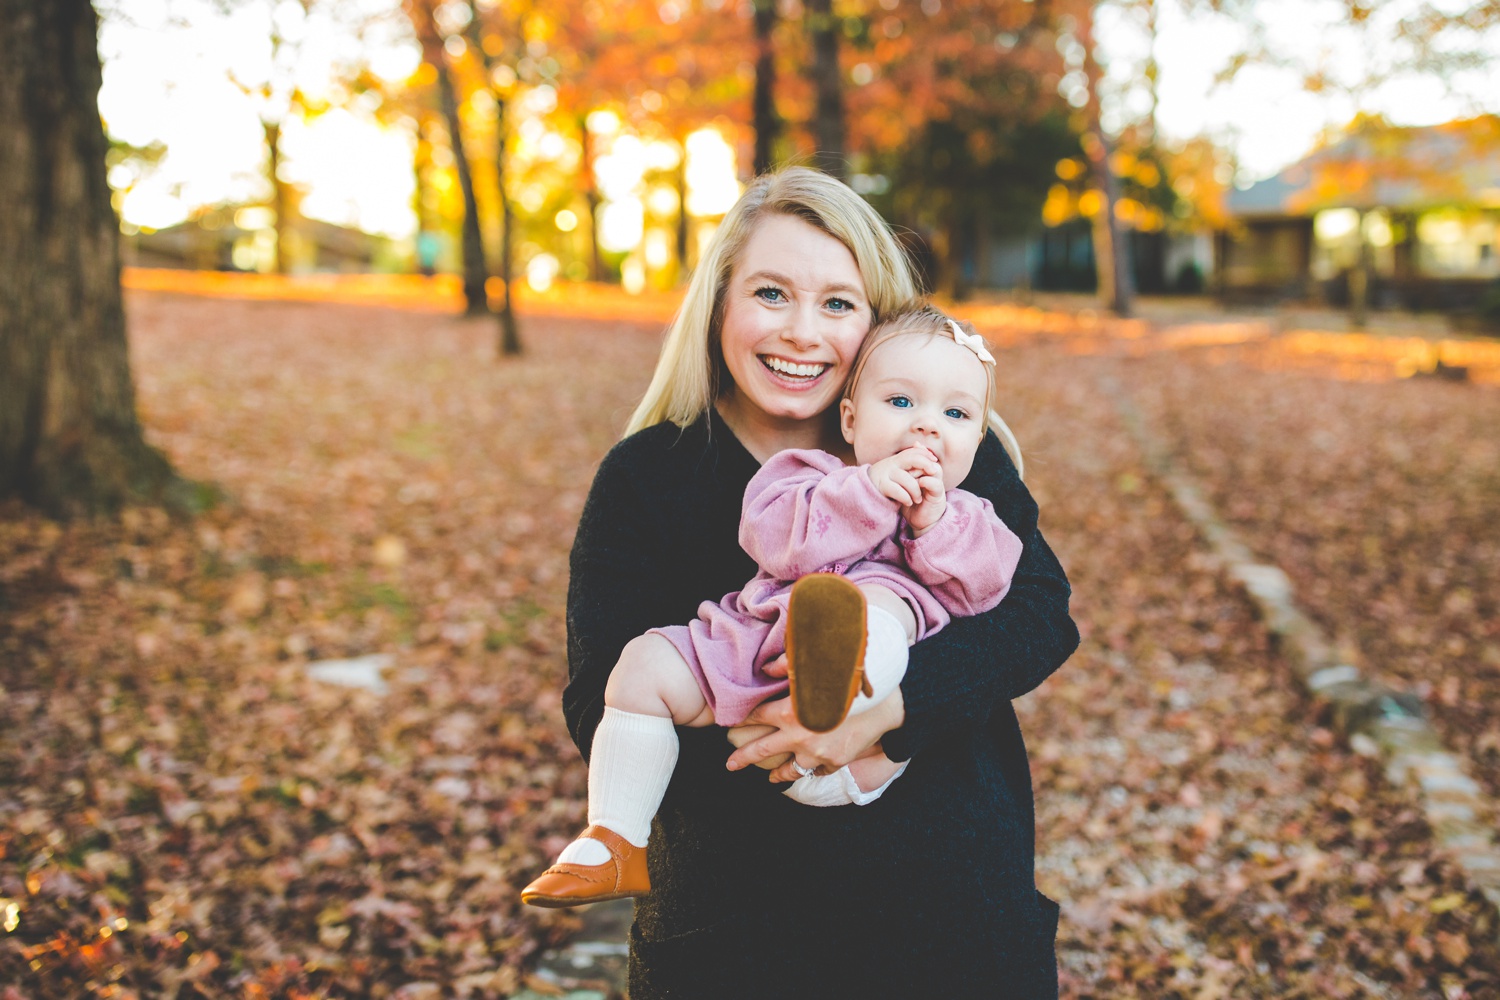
x=805, y=510
x=967, y=559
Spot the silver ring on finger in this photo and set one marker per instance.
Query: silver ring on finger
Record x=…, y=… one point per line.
x=804, y=772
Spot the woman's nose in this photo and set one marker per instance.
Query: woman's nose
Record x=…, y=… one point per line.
x=801, y=333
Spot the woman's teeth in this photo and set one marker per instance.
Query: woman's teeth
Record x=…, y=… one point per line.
x=789, y=368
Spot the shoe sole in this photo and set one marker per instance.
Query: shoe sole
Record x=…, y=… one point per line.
x=825, y=648
x=559, y=902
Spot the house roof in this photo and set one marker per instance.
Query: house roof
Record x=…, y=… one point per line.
x=185, y=238
x=1384, y=166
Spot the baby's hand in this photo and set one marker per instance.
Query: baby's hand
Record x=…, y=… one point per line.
x=929, y=511
x=900, y=476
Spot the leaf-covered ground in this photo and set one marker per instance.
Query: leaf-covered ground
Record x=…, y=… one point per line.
x=1381, y=500
x=1211, y=837
x=184, y=813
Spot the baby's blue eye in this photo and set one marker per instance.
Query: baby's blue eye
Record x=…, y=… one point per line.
x=954, y=413
x=900, y=402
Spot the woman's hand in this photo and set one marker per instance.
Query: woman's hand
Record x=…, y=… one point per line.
x=856, y=737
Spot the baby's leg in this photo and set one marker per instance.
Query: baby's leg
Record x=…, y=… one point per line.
x=652, y=678
x=877, y=596
x=857, y=784
x=635, y=746
x=871, y=772
x=891, y=627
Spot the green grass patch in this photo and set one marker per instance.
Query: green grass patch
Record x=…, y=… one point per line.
x=512, y=625
x=417, y=442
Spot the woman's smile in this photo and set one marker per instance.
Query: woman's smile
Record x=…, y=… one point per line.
x=792, y=371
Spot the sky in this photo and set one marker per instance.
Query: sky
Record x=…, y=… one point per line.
x=177, y=71
x=1264, y=114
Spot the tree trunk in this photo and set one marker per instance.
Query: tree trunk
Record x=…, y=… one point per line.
x=475, y=269
x=70, y=441
x=959, y=249
x=591, y=199
x=1359, y=280
x=828, y=82
x=510, y=337
x=278, y=193
x=983, y=249
x=763, y=104
x=1111, y=254
x=684, y=231
x=1152, y=74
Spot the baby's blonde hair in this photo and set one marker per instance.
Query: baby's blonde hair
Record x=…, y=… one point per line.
x=926, y=320
x=688, y=374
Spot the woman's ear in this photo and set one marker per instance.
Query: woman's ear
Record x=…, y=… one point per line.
x=846, y=419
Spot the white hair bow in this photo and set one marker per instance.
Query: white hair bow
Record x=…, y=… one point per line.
x=972, y=342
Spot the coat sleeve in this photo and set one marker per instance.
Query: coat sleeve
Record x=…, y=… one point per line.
x=968, y=558
x=806, y=509
x=957, y=677
x=607, y=606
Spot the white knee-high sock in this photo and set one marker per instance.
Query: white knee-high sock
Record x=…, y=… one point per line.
x=630, y=765
x=885, y=657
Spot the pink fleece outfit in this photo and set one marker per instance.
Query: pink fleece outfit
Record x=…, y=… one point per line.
x=808, y=512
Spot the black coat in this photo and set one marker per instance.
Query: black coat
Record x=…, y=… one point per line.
x=928, y=891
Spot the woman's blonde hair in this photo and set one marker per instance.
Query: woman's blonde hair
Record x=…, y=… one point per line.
x=690, y=370
x=926, y=320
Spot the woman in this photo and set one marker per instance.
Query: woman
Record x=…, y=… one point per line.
x=928, y=891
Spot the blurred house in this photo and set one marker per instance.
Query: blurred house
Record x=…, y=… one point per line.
x=1060, y=258
x=229, y=239
x=1417, y=210
x=1163, y=262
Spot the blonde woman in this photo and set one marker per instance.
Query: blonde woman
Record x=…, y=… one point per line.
x=928, y=891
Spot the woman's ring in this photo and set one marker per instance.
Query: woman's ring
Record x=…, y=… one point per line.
x=805, y=772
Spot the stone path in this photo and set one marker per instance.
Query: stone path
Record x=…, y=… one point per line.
x=592, y=965
x=1375, y=719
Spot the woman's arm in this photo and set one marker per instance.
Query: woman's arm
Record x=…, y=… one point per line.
x=957, y=677
x=614, y=555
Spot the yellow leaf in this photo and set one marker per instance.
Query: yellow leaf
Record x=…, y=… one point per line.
x=248, y=598
x=389, y=551
x=1453, y=947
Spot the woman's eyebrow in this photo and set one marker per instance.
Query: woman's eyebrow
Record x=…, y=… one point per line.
x=839, y=286
x=781, y=279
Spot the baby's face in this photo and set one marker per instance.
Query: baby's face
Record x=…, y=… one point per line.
x=919, y=392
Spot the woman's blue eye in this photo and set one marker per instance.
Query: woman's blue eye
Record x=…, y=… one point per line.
x=900, y=402
x=840, y=305
x=770, y=294
x=954, y=413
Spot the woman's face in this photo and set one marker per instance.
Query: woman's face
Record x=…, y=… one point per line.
x=795, y=313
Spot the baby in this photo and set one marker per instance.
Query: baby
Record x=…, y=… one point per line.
x=883, y=552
